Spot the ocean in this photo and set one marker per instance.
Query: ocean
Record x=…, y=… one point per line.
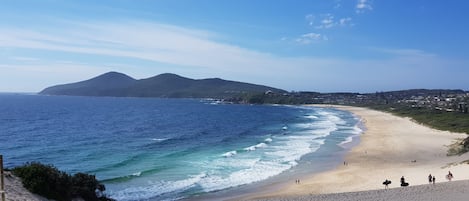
x=171, y=149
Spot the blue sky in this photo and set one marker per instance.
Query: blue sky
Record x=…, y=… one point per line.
x=310, y=45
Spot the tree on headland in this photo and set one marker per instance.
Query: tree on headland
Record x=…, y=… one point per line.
x=48, y=181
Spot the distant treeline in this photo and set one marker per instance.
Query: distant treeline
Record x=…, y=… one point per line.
x=276, y=98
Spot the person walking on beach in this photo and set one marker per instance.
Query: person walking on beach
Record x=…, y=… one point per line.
x=433, y=179
x=386, y=184
x=449, y=176
x=430, y=178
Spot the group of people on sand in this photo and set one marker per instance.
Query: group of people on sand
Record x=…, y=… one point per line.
x=387, y=182
x=431, y=180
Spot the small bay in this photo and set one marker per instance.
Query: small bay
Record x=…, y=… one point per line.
x=168, y=149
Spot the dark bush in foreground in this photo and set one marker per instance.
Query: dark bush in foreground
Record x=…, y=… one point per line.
x=48, y=181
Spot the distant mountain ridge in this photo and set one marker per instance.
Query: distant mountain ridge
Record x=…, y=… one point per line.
x=165, y=85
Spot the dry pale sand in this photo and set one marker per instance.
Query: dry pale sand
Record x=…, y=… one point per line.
x=448, y=191
x=386, y=150
x=15, y=191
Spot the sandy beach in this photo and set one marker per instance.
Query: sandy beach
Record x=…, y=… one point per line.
x=391, y=147
x=448, y=191
x=14, y=190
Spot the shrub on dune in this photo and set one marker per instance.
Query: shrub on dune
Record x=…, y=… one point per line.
x=48, y=181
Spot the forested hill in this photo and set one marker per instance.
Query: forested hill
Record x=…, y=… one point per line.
x=164, y=85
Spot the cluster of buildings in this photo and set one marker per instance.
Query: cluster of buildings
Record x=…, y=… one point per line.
x=445, y=100
x=449, y=102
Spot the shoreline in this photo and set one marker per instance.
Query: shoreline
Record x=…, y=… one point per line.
x=389, y=148
x=310, y=164
x=385, y=149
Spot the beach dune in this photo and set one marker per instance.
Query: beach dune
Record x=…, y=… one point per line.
x=449, y=191
x=14, y=190
x=391, y=147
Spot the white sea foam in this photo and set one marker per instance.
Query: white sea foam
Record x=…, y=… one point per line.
x=323, y=132
x=319, y=143
x=278, y=156
x=229, y=154
x=154, y=189
x=137, y=174
x=347, y=140
x=258, y=172
x=355, y=131
x=260, y=145
x=274, y=155
x=294, y=147
x=311, y=117
x=332, y=117
x=323, y=124
x=219, y=166
x=253, y=148
x=304, y=125
x=336, y=120
x=322, y=128
x=159, y=139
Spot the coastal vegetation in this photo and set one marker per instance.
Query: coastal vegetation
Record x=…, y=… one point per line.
x=48, y=181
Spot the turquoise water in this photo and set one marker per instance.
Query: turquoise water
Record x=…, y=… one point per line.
x=167, y=149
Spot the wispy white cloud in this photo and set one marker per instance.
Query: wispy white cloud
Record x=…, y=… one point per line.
x=158, y=42
x=25, y=59
x=198, y=54
x=405, y=52
x=180, y=48
x=362, y=6
x=309, y=38
x=327, y=21
x=310, y=19
x=345, y=21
